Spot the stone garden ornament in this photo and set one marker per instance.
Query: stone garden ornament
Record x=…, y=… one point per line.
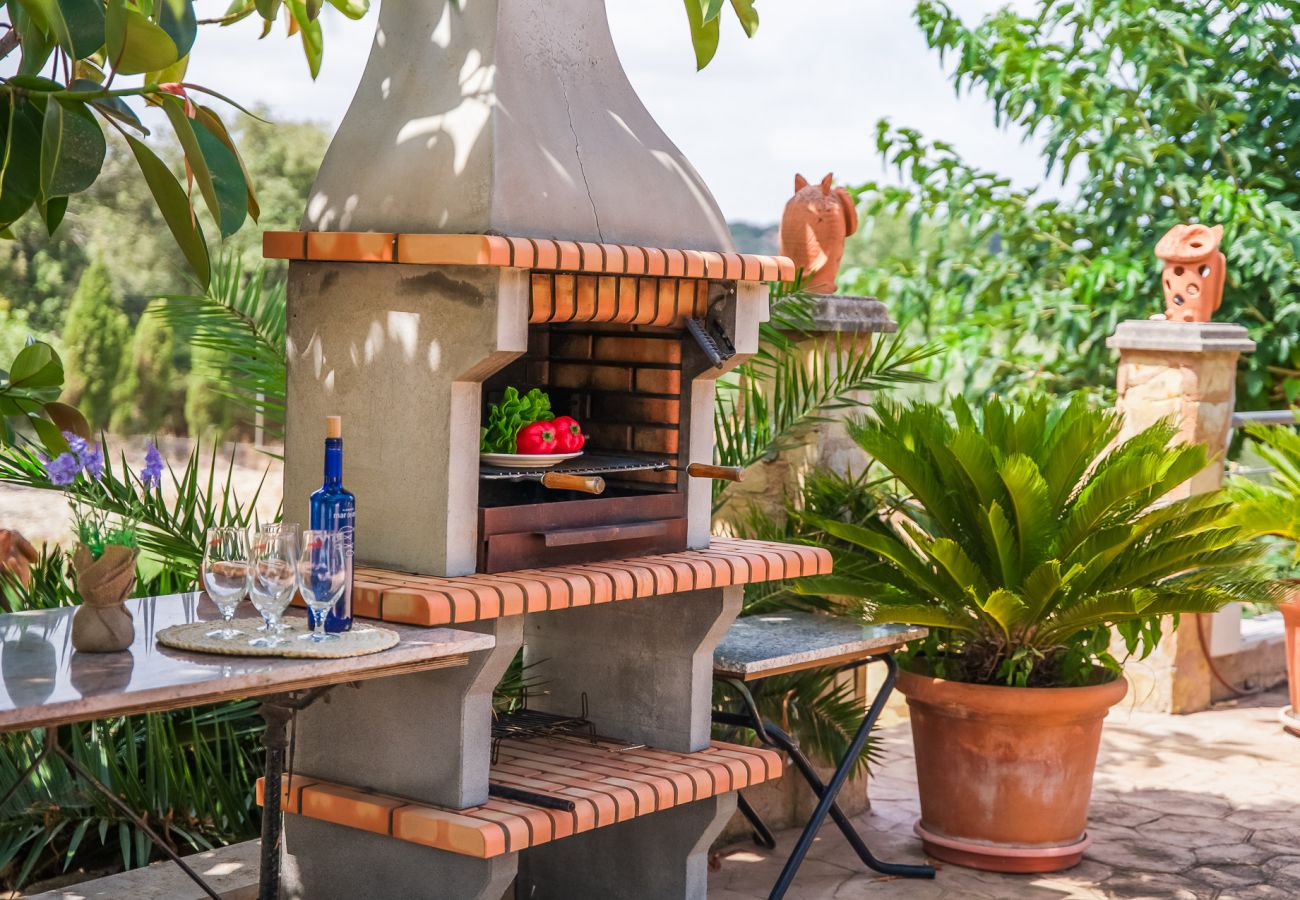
x=817, y=221
x=1194, y=270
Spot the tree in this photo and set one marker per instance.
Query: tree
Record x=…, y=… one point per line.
x=1161, y=112
x=149, y=386
x=95, y=335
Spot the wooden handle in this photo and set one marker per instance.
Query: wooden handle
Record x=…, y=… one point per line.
x=588, y=484
x=723, y=473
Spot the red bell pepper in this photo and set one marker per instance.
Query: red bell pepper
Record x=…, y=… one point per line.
x=538, y=437
x=568, y=435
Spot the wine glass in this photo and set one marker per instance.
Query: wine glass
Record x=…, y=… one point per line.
x=225, y=575
x=276, y=528
x=272, y=581
x=322, y=575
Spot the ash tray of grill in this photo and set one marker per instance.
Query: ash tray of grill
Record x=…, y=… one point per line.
x=526, y=460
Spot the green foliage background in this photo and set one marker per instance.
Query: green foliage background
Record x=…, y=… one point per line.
x=1159, y=112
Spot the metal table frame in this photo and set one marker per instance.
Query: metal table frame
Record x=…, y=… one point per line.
x=773, y=736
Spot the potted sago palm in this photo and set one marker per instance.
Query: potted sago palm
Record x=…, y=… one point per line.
x=1024, y=537
x=1273, y=509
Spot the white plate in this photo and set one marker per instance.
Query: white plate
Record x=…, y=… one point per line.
x=526, y=460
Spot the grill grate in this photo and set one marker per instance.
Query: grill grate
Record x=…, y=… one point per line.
x=525, y=724
x=587, y=464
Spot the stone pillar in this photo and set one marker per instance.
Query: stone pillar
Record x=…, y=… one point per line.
x=1186, y=372
x=842, y=328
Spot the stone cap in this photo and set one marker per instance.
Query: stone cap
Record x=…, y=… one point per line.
x=841, y=314
x=1180, y=337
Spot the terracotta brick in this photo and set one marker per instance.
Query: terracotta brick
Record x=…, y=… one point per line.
x=426, y=608
x=290, y=792
x=655, y=440
x=346, y=806
x=585, y=299
x=638, y=350
x=541, y=302
x=365, y=599
x=694, y=263
x=714, y=266
x=540, y=826
x=570, y=258
x=284, y=245
x=518, y=834
x=607, y=436
x=564, y=288
x=522, y=253
x=570, y=346
x=548, y=255
x=734, y=266
x=638, y=409
x=659, y=381
x=656, y=263
x=634, y=259
x=604, y=378
x=667, y=307
x=753, y=270
x=449, y=831
x=627, y=304
x=675, y=265
x=769, y=268
x=350, y=246
x=591, y=258
x=786, y=268
x=615, y=259
x=606, y=298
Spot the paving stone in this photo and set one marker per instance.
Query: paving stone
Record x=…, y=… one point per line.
x=1141, y=855
x=1284, y=836
x=1267, y=819
x=1180, y=802
x=1122, y=814
x=1147, y=886
x=1243, y=854
x=1227, y=876
x=1253, y=892
x=1193, y=831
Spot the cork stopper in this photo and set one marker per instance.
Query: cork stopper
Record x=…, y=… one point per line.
x=333, y=426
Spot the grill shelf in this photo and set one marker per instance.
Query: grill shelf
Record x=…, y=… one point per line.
x=524, y=724
x=587, y=464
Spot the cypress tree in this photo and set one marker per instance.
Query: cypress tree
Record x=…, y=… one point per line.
x=148, y=383
x=95, y=335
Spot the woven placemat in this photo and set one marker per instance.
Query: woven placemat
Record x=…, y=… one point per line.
x=360, y=641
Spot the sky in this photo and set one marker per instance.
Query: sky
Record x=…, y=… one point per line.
x=818, y=74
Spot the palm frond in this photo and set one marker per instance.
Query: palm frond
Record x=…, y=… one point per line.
x=241, y=320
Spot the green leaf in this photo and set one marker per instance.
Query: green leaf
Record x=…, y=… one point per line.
x=704, y=33
x=175, y=207
x=267, y=9
x=36, y=365
x=36, y=43
x=353, y=9
x=309, y=30
x=85, y=24
x=176, y=18
x=213, y=123
x=48, y=14
x=72, y=148
x=711, y=8
x=747, y=14
x=112, y=107
x=134, y=44
x=53, y=211
x=174, y=107
x=21, y=123
x=227, y=175
x=51, y=438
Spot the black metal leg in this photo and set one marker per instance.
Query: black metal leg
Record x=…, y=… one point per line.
x=275, y=740
x=826, y=794
x=762, y=834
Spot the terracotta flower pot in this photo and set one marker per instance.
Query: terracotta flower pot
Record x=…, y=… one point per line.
x=1005, y=774
x=1291, y=618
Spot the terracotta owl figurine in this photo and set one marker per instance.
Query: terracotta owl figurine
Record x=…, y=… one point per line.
x=1194, y=272
x=815, y=224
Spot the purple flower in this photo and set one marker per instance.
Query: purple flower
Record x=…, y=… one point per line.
x=92, y=460
x=75, y=443
x=64, y=469
x=151, y=474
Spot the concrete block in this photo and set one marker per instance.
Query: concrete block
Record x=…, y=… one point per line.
x=659, y=857
x=324, y=861
x=425, y=736
x=645, y=665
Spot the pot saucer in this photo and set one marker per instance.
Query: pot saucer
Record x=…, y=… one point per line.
x=526, y=460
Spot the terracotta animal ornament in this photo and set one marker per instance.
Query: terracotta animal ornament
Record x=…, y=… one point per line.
x=816, y=222
x=1194, y=272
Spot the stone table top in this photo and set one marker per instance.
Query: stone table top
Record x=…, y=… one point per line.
x=760, y=646
x=43, y=681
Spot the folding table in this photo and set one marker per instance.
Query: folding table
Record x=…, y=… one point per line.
x=756, y=648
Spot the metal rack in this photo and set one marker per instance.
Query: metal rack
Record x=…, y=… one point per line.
x=587, y=464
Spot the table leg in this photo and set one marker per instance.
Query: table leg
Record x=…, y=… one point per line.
x=275, y=740
x=826, y=794
x=762, y=834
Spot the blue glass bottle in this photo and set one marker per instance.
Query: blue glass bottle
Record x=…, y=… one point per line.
x=333, y=508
